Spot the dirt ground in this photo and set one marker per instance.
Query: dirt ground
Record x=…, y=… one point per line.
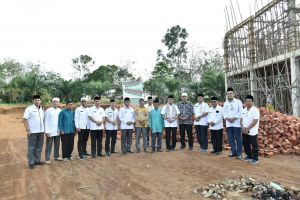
x=148, y=176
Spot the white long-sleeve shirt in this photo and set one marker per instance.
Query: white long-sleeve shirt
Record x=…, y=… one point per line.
x=112, y=115
x=232, y=109
x=35, y=118
x=168, y=112
x=82, y=118
x=215, y=115
x=99, y=115
x=149, y=108
x=199, y=109
x=248, y=116
x=51, y=121
x=126, y=115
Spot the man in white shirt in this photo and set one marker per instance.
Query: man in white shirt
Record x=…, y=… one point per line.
x=201, y=124
x=149, y=107
x=215, y=120
x=111, y=127
x=232, y=112
x=250, y=125
x=51, y=131
x=33, y=120
x=82, y=125
x=97, y=118
x=170, y=113
x=127, y=118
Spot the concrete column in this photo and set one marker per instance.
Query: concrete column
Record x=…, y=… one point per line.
x=226, y=84
x=226, y=61
x=226, y=55
x=292, y=25
x=253, y=85
x=295, y=82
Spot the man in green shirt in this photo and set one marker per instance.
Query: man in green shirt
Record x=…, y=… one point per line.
x=156, y=124
x=66, y=126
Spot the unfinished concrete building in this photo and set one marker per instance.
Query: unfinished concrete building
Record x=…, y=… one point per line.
x=262, y=54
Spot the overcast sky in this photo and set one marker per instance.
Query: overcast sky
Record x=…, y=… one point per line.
x=52, y=32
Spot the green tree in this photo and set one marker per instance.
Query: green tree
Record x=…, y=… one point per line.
x=82, y=65
x=109, y=77
x=9, y=69
x=212, y=84
x=176, y=44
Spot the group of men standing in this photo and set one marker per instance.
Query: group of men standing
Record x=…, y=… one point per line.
x=62, y=125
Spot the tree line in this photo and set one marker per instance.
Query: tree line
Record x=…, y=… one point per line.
x=179, y=68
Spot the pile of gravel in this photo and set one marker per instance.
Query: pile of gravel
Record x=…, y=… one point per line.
x=255, y=189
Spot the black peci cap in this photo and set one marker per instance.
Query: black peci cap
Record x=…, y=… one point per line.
x=97, y=98
x=230, y=89
x=36, y=96
x=214, y=98
x=69, y=101
x=126, y=99
x=156, y=100
x=249, y=97
x=170, y=97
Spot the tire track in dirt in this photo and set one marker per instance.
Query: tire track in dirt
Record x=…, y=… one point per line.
x=17, y=158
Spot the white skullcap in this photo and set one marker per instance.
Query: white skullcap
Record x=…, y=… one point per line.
x=55, y=99
x=83, y=99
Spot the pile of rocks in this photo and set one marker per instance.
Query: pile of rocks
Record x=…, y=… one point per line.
x=251, y=187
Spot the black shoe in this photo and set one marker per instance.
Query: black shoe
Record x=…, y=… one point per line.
x=146, y=150
x=87, y=155
x=101, y=155
x=81, y=158
x=190, y=148
x=31, y=166
x=113, y=151
x=93, y=156
x=107, y=154
x=218, y=153
x=124, y=152
x=231, y=156
x=130, y=151
x=213, y=152
x=174, y=149
x=39, y=163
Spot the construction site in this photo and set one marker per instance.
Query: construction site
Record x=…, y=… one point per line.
x=262, y=58
x=262, y=53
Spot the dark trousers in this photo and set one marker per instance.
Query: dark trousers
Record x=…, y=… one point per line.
x=171, y=133
x=67, y=142
x=189, y=129
x=217, y=140
x=83, y=137
x=202, y=136
x=110, y=140
x=96, y=140
x=148, y=136
x=250, y=146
